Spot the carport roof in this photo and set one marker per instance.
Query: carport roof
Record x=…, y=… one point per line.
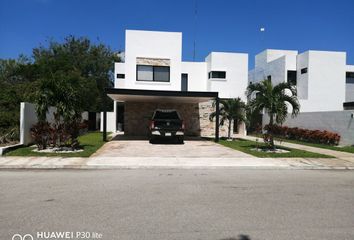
x=141, y=95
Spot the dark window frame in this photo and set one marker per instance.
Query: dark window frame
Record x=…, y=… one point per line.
x=349, y=77
x=153, y=73
x=186, y=75
x=292, y=77
x=349, y=74
x=304, y=70
x=211, y=75
x=120, y=75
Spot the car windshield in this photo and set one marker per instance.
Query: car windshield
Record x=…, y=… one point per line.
x=166, y=115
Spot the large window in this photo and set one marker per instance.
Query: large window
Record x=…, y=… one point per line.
x=217, y=74
x=152, y=73
x=349, y=77
x=292, y=79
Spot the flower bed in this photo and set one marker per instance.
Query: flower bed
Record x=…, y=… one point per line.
x=312, y=136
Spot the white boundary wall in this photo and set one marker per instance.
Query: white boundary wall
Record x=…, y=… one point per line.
x=341, y=122
x=111, y=122
x=28, y=118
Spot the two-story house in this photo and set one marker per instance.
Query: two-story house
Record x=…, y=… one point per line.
x=152, y=75
x=325, y=87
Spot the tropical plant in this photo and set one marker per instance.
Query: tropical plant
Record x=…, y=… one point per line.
x=233, y=109
x=90, y=63
x=274, y=100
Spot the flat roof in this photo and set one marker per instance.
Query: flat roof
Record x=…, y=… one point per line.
x=142, y=95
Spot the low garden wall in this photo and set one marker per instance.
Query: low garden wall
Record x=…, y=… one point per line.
x=340, y=122
x=28, y=118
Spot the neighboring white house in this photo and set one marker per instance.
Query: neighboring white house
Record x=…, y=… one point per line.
x=153, y=62
x=320, y=76
x=324, y=83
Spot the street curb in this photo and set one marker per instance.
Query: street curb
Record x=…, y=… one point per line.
x=112, y=167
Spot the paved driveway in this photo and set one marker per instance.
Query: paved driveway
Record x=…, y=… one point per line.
x=190, y=149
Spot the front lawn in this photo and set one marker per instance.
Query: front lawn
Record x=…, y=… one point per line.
x=349, y=149
x=89, y=142
x=246, y=146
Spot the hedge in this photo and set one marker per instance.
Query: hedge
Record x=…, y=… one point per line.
x=312, y=136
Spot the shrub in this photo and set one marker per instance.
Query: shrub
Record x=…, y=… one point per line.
x=10, y=135
x=313, y=136
x=40, y=133
x=58, y=134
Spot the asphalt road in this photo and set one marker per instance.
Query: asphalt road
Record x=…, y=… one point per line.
x=179, y=204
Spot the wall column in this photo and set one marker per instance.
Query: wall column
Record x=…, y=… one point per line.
x=217, y=111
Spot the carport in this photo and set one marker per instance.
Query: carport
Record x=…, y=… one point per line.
x=161, y=96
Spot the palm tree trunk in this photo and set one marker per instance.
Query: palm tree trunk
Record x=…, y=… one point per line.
x=229, y=133
x=271, y=139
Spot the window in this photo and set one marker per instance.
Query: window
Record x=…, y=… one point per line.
x=292, y=77
x=303, y=70
x=144, y=73
x=217, y=74
x=269, y=78
x=184, y=82
x=162, y=74
x=152, y=73
x=119, y=75
x=349, y=77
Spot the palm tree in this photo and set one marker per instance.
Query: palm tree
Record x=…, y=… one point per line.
x=232, y=109
x=274, y=100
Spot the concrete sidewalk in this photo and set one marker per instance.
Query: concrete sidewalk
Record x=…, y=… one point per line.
x=171, y=163
x=338, y=154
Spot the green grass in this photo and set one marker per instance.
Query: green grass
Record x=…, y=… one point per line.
x=90, y=142
x=246, y=146
x=349, y=149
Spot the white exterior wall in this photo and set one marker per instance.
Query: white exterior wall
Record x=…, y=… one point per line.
x=28, y=118
x=149, y=44
x=111, y=122
x=275, y=63
x=340, y=122
x=302, y=79
x=325, y=80
x=322, y=88
x=197, y=75
x=236, y=67
x=168, y=45
x=119, y=68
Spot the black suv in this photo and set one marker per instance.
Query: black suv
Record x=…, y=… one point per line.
x=166, y=124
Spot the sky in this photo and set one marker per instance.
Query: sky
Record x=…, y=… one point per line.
x=216, y=25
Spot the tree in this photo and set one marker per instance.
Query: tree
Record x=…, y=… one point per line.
x=92, y=63
x=15, y=87
x=78, y=60
x=274, y=100
x=62, y=91
x=230, y=110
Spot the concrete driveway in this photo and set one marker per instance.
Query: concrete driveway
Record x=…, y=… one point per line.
x=190, y=149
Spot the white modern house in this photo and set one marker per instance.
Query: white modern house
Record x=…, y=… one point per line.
x=325, y=86
x=152, y=75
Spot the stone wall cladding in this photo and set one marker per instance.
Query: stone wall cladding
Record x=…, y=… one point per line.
x=196, y=117
x=137, y=117
x=153, y=61
x=208, y=127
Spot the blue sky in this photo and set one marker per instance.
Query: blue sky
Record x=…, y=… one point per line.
x=221, y=25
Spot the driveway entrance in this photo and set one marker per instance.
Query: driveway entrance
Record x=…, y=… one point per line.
x=190, y=149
